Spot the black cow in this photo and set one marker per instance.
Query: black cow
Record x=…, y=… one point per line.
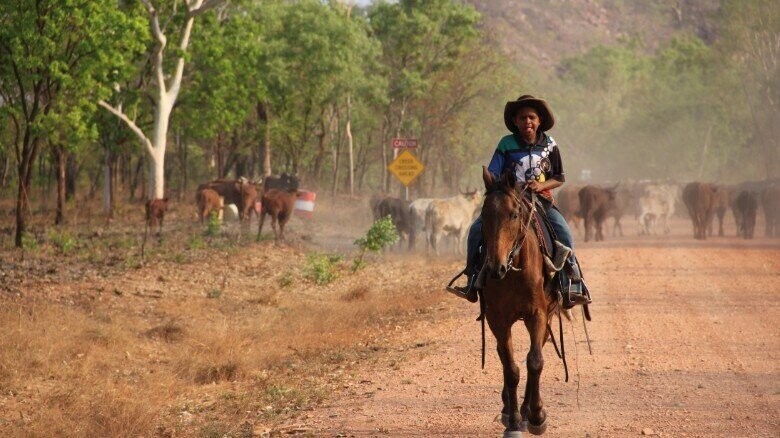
x=285, y=181
x=747, y=204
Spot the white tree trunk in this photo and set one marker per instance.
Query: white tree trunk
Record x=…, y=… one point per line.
x=350, y=148
x=166, y=93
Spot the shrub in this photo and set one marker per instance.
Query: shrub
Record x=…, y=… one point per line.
x=320, y=268
x=381, y=234
x=213, y=225
x=63, y=241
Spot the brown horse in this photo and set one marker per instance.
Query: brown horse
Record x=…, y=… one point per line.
x=515, y=290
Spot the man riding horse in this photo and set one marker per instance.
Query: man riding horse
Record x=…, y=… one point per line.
x=535, y=159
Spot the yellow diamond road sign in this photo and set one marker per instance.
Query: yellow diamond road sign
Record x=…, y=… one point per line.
x=406, y=167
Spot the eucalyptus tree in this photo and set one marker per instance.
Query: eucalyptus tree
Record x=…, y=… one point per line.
x=166, y=19
x=419, y=39
x=56, y=58
x=750, y=45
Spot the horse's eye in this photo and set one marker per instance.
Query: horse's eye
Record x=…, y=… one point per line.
x=515, y=216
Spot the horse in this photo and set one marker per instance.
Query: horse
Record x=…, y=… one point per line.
x=515, y=290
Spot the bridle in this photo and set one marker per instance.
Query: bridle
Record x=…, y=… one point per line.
x=518, y=243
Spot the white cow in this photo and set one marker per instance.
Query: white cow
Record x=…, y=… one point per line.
x=417, y=217
x=452, y=216
x=656, y=205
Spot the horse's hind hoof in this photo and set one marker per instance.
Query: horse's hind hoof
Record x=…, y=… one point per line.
x=513, y=434
x=537, y=430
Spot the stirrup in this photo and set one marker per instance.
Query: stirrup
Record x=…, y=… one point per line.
x=468, y=292
x=571, y=299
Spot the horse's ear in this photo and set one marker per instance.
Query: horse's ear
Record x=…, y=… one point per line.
x=509, y=178
x=488, y=178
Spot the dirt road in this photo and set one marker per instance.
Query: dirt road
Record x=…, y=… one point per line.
x=684, y=337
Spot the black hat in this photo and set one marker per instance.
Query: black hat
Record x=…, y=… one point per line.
x=546, y=119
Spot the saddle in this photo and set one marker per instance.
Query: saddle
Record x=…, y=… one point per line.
x=555, y=253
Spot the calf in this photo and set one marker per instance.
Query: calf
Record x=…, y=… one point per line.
x=278, y=204
x=155, y=212
x=208, y=201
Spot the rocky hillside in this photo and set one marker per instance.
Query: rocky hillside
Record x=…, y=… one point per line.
x=546, y=31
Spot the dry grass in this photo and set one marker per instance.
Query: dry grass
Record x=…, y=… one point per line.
x=99, y=342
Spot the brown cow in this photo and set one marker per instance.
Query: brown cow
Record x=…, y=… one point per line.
x=279, y=204
x=721, y=200
x=699, y=198
x=596, y=203
x=241, y=192
x=208, y=201
x=568, y=202
x=770, y=200
x=155, y=212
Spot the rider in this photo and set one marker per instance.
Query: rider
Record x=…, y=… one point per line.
x=534, y=157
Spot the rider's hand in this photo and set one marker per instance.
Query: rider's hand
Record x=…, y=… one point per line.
x=536, y=186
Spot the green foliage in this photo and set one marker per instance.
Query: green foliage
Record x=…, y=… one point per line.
x=195, y=242
x=213, y=225
x=381, y=234
x=63, y=241
x=320, y=268
x=29, y=242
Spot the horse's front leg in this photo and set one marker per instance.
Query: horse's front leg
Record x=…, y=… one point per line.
x=510, y=413
x=533, y=408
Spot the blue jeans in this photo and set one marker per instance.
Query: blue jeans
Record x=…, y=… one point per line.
x=559, y=225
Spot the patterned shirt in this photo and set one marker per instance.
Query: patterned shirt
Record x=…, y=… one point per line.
x=540, y=161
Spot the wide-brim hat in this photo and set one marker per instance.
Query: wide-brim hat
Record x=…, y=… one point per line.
x=546, y=119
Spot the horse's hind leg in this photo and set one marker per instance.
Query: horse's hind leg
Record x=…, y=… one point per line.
x=533, y=408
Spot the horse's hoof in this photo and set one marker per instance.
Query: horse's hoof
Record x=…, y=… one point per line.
x=513, y=434
x=537, y=430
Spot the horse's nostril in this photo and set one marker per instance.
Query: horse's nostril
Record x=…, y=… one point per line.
x=502, y=271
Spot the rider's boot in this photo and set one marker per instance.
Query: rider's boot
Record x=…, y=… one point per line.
x=470, y=291
x=574, y=291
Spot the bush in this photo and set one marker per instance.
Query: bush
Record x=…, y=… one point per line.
x=63, y=240
x=213, y=225
x=320, y=268
x=381, y=234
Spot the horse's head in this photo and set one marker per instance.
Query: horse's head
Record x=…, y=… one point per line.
x=504, y=219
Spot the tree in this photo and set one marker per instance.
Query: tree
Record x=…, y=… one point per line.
x=166, y=91
x=56, y=58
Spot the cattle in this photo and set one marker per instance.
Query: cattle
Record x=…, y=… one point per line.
x=278, y=204
x=285, y=181
x=721, y=200
x=699, y=198
x=241, y=192
x=620, y=207
x=596, y=203
x=568, y=202
x=398, y=210
x=155, y=212
x=208, y=201
x=747, y=204
x=417, y=219
x=770, y=201
x=656, y=206
x=452, y=216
